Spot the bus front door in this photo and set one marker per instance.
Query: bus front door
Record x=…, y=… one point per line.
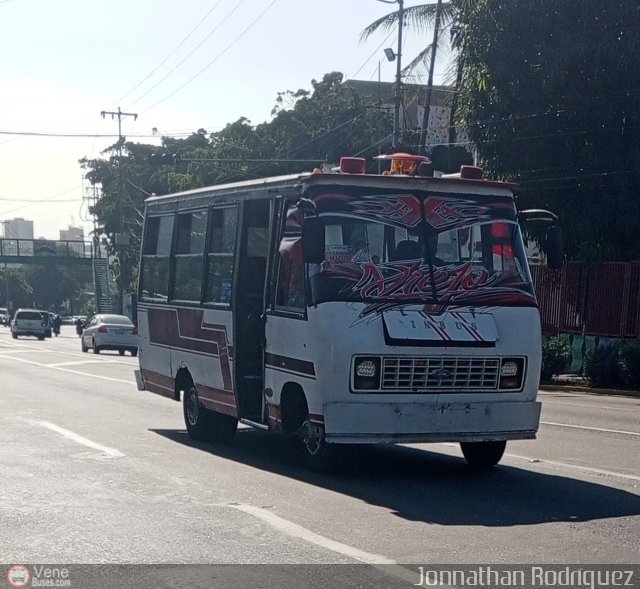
x=249, y=328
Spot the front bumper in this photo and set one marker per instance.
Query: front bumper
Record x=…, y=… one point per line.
x=371, y=423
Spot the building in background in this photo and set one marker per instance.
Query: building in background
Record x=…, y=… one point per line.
x=72, y=234
x=17, y=228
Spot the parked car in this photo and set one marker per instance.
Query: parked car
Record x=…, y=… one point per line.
x=4, y=316
x=110, y=332
x=28, y=322
x=68, y=320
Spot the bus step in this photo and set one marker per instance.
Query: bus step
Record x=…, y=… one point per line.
x=256, y=424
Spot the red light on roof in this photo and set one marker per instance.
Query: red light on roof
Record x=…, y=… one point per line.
x=471, y=173
x=353, y=165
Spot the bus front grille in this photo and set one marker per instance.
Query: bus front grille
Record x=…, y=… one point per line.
x=419, y=374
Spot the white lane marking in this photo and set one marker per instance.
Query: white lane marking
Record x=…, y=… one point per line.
x=65, y=433
x=594, y=429
x=86, y=374
x=79, y=363
x=296, y=531
x=587, y=469
x=26, y=348
x=607, y=407
x=7, y=351
x=386, y=565
x=533, y=460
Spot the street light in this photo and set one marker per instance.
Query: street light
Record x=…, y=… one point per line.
x=390, y=53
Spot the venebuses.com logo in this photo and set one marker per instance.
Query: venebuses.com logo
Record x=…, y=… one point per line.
x=18, y=575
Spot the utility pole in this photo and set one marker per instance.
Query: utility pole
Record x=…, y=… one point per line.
x=120, y=238
x=397, y=56
x=397, y=131
x=119, y=115
x=424, y=128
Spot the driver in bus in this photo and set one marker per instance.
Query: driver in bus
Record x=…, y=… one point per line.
x=291, y=278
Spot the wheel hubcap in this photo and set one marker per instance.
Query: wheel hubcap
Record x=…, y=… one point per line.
x=193, y=407
x=313, y=435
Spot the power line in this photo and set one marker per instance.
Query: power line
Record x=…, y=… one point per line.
x=48, y=200
x=188, y=54
x=215, y=58
x=37, y=200
x=172, y=52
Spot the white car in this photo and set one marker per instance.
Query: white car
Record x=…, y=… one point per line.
x=28, y=322
x=110, y=332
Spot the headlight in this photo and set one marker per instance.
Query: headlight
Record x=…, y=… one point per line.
x=511, y=373
x=366, y=374
x=509, y=368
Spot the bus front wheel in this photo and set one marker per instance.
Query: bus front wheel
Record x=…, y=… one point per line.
x=481, y=455
x=318, y=455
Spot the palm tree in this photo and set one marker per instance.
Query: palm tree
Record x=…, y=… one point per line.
x=422, y=18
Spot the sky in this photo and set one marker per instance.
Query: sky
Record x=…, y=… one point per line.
x=179, y=66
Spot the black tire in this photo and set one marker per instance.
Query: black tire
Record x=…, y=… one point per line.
x=134, y=353
x=203, y=424
x=121, y=352
x=96, y=349
x=14, y=335
x=318, y=454
x=482, y=455
x=41, y=338
x=83, y=347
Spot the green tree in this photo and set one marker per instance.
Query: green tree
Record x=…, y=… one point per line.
x=550, y=97
x=15, y=291
x=51, y=284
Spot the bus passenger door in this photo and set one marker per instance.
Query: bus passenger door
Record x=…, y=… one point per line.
x=249, y=326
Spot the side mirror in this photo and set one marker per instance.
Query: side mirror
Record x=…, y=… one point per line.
x=313, y=240
x=554, y=248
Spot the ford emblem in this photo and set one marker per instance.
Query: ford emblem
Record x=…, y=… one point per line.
x=441, y=373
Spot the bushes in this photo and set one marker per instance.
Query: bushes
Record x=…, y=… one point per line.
x=556, y=354
x=612, y=364
x=616, y=365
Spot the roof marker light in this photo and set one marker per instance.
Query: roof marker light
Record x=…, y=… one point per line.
x=353, y=165
x=404, y=163
x=471, y=173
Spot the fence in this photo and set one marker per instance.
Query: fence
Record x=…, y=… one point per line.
x=604, y=302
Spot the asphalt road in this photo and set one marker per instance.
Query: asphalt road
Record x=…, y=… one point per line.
x=94, y=471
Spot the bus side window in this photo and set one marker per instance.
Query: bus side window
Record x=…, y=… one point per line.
x=192, y=228
x=156, y=251
x=220, y=255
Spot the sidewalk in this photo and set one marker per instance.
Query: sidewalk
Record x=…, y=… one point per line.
x=571, y=383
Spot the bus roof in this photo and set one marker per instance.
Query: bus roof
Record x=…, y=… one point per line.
x=397, y=182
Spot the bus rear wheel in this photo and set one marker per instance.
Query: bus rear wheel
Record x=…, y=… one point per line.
x=482, y=455
x=318, y=455
x=203, y=424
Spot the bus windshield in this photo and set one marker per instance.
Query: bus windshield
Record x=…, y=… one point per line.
x=394, y=249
